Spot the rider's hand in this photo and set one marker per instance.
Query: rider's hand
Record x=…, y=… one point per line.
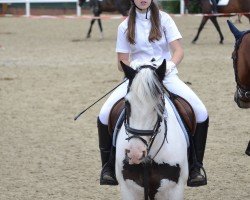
x=170, y=66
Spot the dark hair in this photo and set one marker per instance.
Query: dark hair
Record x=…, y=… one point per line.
x=155, y=32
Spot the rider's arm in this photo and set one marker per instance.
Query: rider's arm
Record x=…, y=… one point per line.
x=124, y=57
x=177, y=51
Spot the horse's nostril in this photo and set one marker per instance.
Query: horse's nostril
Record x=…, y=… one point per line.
x=143, y=155
x=127, y=151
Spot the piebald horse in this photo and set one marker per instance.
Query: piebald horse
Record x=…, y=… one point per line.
x=151, y=149
x=241, y=64
x=233, y=6
x=99, y=6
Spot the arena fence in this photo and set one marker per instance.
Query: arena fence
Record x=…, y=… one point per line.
x=167, y=4
x=28, y=2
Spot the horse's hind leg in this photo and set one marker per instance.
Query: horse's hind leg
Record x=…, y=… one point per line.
x=90, y=28
x=217, y=26
x=100, y=27
x=238, y=20
x=202, y=24
x=248, y=16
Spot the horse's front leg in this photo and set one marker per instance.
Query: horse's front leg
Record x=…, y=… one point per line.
x=100, y=27
x=127, y=193
x=248, y=149
x=90, y=28
x=202, y=24
x=217, y=26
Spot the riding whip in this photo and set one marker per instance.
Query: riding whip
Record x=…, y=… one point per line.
x=98, y=100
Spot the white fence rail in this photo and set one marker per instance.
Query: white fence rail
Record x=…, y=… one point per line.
x=28, y=2
x=78, y=8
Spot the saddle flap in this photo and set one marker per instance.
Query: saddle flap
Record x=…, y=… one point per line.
x=114, y=115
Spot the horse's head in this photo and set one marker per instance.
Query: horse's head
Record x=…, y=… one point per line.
x=241, y=63
x=144, y=105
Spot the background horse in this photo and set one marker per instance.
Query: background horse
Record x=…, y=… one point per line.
x=234, y=6
x=98, y=7
x=151, y=155
x=241, y=64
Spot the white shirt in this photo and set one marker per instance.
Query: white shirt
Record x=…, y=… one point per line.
x=144, y=51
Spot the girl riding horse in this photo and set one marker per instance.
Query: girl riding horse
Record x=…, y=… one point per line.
x=151, y=149
x=149, y=35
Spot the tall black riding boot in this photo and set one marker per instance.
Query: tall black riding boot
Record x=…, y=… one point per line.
x=197, y=179
x=105, y=144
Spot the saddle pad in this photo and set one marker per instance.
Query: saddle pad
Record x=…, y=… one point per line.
x=181, y=122
x=222, y=2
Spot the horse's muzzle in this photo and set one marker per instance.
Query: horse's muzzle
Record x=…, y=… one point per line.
x=134, y=159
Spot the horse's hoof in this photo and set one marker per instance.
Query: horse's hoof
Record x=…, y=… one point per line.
x=221, y=42
x=101, y=36
x=194, y=42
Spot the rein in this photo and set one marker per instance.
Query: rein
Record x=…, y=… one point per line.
x=242, y=91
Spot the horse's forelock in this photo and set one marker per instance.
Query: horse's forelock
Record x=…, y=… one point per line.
x=147, y=88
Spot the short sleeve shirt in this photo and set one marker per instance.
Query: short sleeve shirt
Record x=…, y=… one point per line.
x=144, y=50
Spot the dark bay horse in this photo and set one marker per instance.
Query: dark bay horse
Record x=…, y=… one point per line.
x=99, y=6
x=234, y=6
x=241, y=64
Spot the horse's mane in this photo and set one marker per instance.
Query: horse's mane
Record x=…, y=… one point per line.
x=146, y=89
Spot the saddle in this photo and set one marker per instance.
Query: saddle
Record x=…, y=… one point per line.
x=185, y=110
x=114, y=115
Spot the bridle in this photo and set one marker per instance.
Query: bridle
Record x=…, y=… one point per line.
x=136, y=133
x=242, y=91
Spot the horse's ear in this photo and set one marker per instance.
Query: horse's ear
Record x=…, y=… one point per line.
x=128, y=71
x=161, y=70
x=237, y=34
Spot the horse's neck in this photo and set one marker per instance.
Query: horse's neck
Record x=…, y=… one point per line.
x=243, y=63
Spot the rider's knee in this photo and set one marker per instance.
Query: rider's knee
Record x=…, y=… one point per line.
x=201, y=114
